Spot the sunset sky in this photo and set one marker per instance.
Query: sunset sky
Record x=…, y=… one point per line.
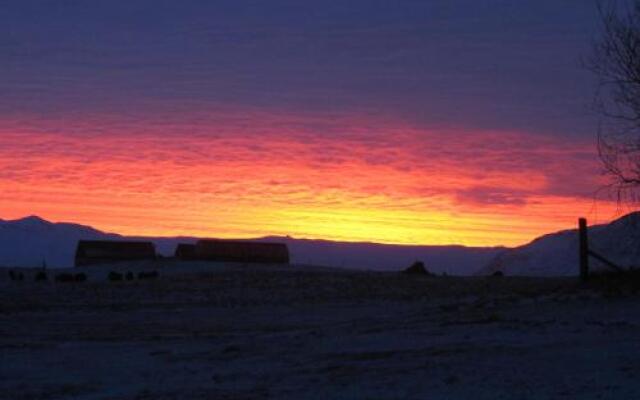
x=422, y=122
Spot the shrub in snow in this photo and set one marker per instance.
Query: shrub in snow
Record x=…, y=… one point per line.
x=115, y=276
x=148, y=275
x=417, y=268
x=41, y=277
x=65, y=278
x=16, y=276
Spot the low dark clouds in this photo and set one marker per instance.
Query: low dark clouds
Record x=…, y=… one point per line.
x=484, y=64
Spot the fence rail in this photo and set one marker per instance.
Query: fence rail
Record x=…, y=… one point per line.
x=585, y=252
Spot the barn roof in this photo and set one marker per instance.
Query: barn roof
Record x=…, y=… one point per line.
x=92, y=251
x=242, y=251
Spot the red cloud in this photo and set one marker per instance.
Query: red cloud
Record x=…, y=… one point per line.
x=249, y=173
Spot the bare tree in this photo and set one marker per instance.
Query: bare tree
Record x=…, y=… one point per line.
x=616, y=62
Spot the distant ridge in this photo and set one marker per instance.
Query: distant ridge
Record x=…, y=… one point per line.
x=556, y=254
x=30, y=241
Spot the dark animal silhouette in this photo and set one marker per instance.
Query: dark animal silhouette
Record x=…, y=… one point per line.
x=498, y=274
x=115, y=276
x=41, y=277
x=129, y=276
x=81, y=277
x=417, y=268
x=65, y=278
x=16, y=276
x=148, y=275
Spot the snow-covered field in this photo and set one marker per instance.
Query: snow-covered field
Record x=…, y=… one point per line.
x=231, y=332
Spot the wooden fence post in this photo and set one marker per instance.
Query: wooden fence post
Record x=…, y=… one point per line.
x=584, y=249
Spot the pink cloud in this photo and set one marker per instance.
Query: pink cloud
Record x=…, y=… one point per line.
x=251, y=173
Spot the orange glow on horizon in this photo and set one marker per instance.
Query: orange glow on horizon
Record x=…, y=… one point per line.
x=282, y=176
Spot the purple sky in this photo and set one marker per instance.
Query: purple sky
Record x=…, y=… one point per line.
x=399, y=121
x=473, y=63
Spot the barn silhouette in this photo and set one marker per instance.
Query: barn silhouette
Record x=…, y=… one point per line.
x=91, y=252
x=234, y=251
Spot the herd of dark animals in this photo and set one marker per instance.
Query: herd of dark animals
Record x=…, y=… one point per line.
x=417, y=268
x=42, y=276
x=129, y=276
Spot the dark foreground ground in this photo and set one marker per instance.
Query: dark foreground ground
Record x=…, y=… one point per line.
x=286, y=333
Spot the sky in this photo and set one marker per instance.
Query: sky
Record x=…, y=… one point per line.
x=411, y=122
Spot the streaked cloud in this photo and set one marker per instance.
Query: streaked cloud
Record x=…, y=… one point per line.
x=444, y=121
x=252, y=173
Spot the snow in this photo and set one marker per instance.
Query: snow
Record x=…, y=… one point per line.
x=233, y=331
x=214, y=331
x=557, y=254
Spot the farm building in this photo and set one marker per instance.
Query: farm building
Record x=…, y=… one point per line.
x=90, y=252
x=186, y=251
x=242, y=251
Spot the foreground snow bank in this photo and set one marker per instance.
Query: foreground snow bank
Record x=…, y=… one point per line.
x=285, y=333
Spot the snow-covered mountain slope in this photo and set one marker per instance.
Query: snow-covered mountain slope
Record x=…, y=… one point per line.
x=556, y=254
x=30, y=241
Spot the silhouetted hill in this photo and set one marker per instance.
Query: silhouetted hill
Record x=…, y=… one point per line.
x=556, y=254
x=31, y=241
x=454, y=259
